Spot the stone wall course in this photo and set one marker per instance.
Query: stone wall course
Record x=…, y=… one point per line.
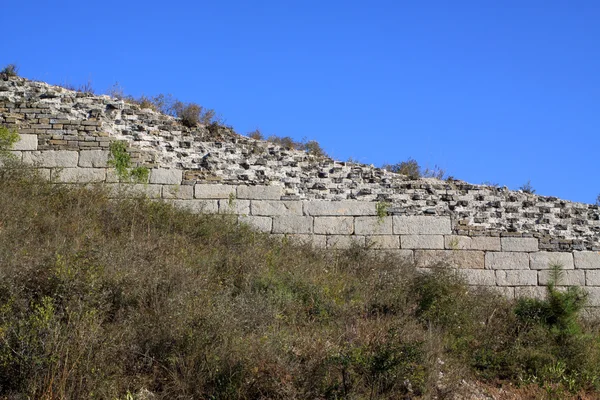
x=339, y=208
x=274, y=207
x=421, y=225
x=452, y=258
x=334, y=225
x=545, y=260
x=421, y=241
x=506, y=260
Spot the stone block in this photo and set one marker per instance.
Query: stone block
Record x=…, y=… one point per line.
x=456, y=242
x=275, y=207
x=334, y=225
x=404, y=256
x=263, y=224
x=587, y=259
x=216, y=191
x=345, y=241
x=292, y=224
x=93, y=158
x=421, y=241
x=530, y=292
x=508, y=260
x=26, y=142
x=479, y=277
x=383, y=242
x=78, y=175
x=166, y=176
x=260, y=192
x=421, y=225
x=468, y=259
x=519, y=244
x=52, y=158
x=237, y=207
x=340, y=208
x=182, y=192
x=198, y=206
x=545, y=259
x=135, y=190
x=505, y=291
x=567, y=278
x=592, y=277
x=485, y=243
x=373, y=226
x=593, y=296
x=516, y=278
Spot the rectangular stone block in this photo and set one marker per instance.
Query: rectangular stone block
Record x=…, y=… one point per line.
x=166, y=176
x=587, y=259
x=593, y=296
x=340, y=208
x=198, y=206
x=135, y=190
x=260, y=192
x=182, y=192
x=479, y=277
x=237, y=207
x=467, y=259
x=263, y=224
x=516, y=278
x=26, y=142
x=292, y=224
x=383, y=242
x=344, y=241
x=275, y=207
x=93, y=158
x=519, y=244
x=485, y=243
x=216, y=191
x=567, y=278
x=592, y=277
x=334, y=225
x=52, y=158
x=78, y=175
x=421, y=225
x=373, y=226
x=531, y=292
x=506, y=260
x=545, y=259
x=456, y=242
x=421, y=241
x=404, y=256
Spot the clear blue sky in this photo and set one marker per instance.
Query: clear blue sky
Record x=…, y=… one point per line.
x=500, y=91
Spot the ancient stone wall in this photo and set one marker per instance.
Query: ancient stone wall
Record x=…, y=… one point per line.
x=495, y=237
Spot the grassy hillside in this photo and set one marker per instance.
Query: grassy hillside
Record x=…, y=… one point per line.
x=128, y=299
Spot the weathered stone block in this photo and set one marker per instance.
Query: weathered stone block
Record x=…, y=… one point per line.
x=421, y=241
x=339, y=208
x=273, y=207
x=166, y=176
x=479, y=277
x=519, y=244
x=52, y=158
x=456, y=242
x=592, y=277
x=531, y=292
x=507, y=260
x=402, y=255
x=263, y=224
x=545, y=260
x=345, y=241
x=516, y=278
x=567, y=278
x=198, y=206
x=134, y=190
x=587, y=259
x=216, y=191
x=334, y=225
x=93, y=158
x=593, y=296
x=292, y=224
x=421, y=225
x=457, y=259
x=79, y=175
x=26, y=142
x=260, y=192
x=373, y=226
x=485, y=243
x=237, y=207
x=383, y=242
x=182, y=192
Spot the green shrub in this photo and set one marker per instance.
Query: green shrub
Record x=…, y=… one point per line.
x=121, y=161
x=8, y=137
x=10, y=70
x=413, y=170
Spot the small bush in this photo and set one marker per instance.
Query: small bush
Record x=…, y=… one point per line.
x=8, y=137
x=192, y=114
x=10, y=70
x=413, y=170
x=527, y=188
x=121, y=161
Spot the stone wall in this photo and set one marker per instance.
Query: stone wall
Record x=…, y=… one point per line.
x=494, y=236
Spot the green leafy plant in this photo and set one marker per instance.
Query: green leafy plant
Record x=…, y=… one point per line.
x=121, y=161
x=8, y=137
x=381, y=209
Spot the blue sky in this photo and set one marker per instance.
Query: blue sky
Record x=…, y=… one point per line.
x=499, y=91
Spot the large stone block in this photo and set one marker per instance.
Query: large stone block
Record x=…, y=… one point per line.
x=506, y=260
x=593, y=296
x=260, y=192
x=485, y=243
x=479, y=277
x=166, y=176
x=545, y=260
x=216, y=191
x=26, y=142
x=468, y=259
x=516, y=278
x=587, y=259
x=182, y=192
x=345, y=241
x=52, y=158
x=421, y=241
x=340, y=208
x=567, y=278
x=531, y=292
x=334, y=225
x=198, y=206
x=292, y=224
x=237, y=207
x=592, y=277
x=373, y=226
x=275, y=207
x=263, y=224
x=78, y=175
x=383, y=242
x=93, y=158
x=421, y=225
x=519, y=244
x=457, y=242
